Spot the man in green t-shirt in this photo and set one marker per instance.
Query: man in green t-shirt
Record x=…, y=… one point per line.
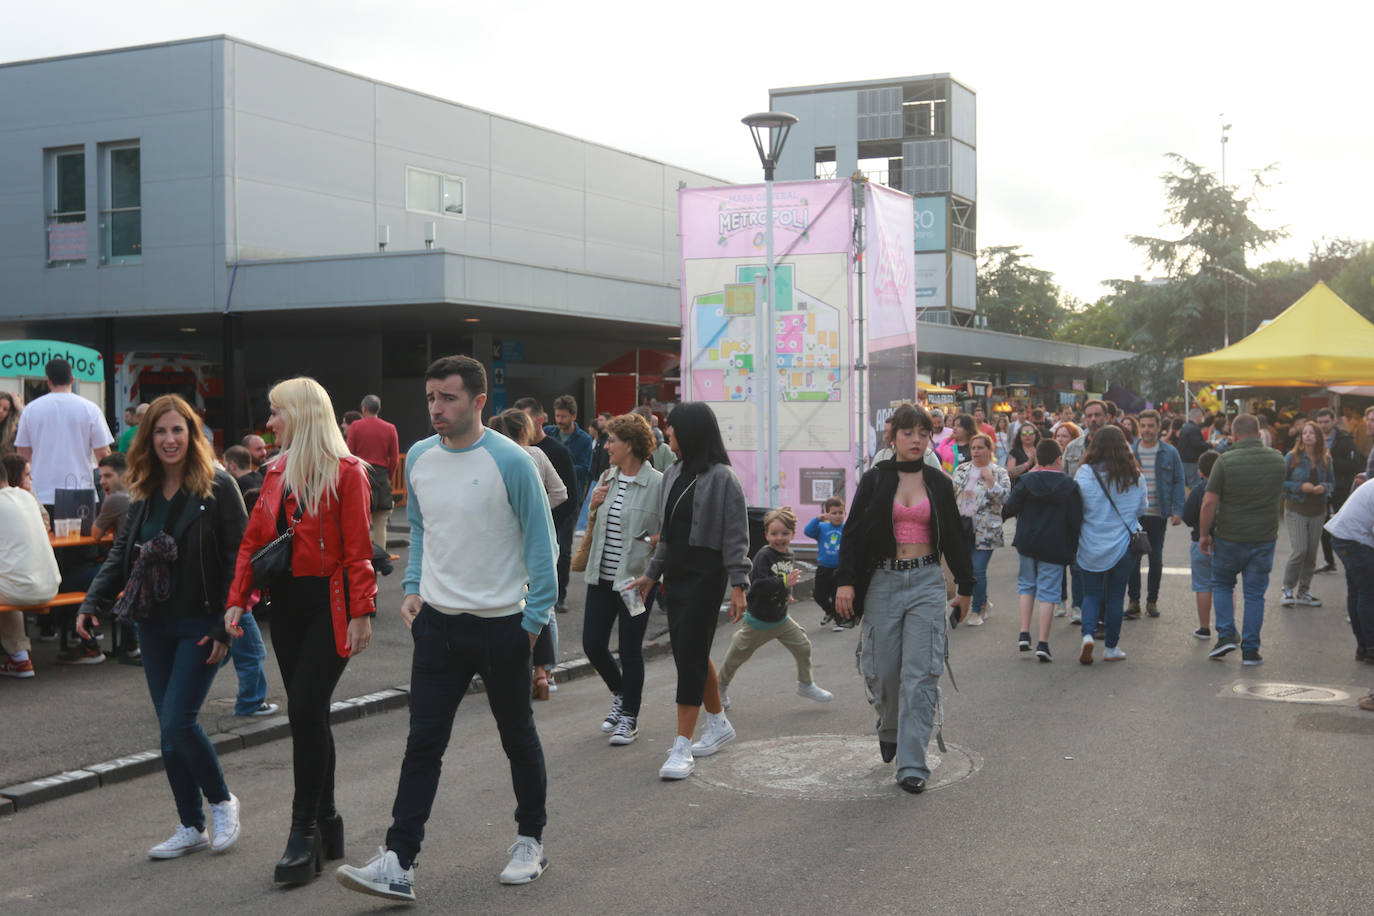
x=132, y=417
x=1238, y=526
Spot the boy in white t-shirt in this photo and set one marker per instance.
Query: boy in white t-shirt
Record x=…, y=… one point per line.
x=63, y=435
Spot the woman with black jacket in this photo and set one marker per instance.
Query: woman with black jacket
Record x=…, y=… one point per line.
x=173, y=561
x=903, y=521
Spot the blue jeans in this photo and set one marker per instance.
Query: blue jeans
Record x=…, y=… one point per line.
x=1105, y=593
x=1076, y=584
x=1358, y=560
x=248, y=652
x=179, y=680
x=1252, y=562
x=980, y=579
x=449, y=650
x=1040, y=578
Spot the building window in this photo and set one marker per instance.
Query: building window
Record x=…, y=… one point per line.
x=431, y=192
x=121, y=211
x=66, y=172
x=825, y=162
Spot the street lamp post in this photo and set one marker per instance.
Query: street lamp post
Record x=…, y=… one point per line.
x=773, y=126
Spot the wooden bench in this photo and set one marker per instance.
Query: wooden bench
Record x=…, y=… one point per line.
x=63, y=599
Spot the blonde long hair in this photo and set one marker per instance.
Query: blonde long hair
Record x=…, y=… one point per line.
x=312, y=444
x=145, y=474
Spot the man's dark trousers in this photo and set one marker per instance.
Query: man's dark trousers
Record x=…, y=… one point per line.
x=1155, y=526
x=449, y=650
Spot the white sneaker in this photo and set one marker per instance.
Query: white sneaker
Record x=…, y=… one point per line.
x=1113, y=654
x=224, y=824
x=813, y=692
x=974, y=620
x=185, y=841
x=724, y=698
x=717, y=733
x=381, y=877
x=680, y=763
x=526, y=863
x=1288, y=600
x=1061, y=610
x=1076, y=616
x=1307, y=599
x=625, y=731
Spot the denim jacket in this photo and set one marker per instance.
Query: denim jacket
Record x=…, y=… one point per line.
x=1169, y=488
x=1300, y=472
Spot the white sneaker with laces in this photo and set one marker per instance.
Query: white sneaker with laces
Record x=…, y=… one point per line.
x=186, y=840
x=526, y=863
x=1061, y=610
x=974, y=620
x=383, y=876
x=1307, y=599
x=1113, y=654
x=612, y=717
x=625, y=731
x=1076, y=616
x=224, y=824
x=680, y=762
x=1287, y=600
x=717, y=733
x=813, y=692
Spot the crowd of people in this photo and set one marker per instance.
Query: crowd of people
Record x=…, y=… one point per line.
x=203, y=544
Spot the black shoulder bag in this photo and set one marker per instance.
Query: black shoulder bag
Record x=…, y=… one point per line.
x=1140, y=541
x=272, y=563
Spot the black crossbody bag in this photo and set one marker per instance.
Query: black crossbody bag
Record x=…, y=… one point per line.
x=272, y=563
x=1140, y=541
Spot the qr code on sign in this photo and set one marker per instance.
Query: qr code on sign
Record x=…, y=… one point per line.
x=821, y=490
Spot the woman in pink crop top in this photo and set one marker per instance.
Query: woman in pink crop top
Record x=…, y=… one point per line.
x=902, y=523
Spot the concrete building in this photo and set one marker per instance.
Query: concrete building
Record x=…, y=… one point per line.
x=280, y=217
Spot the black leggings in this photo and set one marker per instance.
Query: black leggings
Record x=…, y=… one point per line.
x=303, y=638
x=604, y=608
x=694, y=582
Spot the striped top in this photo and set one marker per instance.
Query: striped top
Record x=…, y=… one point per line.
x=610, y=553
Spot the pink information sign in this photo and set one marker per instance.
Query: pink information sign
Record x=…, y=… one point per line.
x=67, y=242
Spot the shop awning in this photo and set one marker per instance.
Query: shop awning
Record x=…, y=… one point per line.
x=1316, y=342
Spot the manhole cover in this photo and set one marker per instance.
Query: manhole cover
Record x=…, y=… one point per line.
x=1289, y=693
x=823, y=768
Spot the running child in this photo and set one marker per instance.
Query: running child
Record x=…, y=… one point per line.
x=1200, y=563
x=825, y=529
x=1050, y=507
x=770, y=591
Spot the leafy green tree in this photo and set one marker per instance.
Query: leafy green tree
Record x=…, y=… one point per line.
x=1348, y=268
x=1015, y=296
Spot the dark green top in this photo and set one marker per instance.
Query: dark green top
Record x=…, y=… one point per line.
x=126, y=439
x=1249, y=479
x=159, y=507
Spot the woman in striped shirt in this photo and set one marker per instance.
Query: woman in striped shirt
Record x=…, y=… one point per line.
x=626, y=525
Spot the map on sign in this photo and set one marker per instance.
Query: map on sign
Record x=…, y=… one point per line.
x=723, y=341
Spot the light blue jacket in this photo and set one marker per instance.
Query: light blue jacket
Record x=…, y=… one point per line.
x=1106, y=533
x=1301, y=473
x=1169, y=488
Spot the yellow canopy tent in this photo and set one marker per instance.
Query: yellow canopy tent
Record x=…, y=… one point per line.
x=1316, y=342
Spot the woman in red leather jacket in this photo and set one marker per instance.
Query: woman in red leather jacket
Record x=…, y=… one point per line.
x=322, y=612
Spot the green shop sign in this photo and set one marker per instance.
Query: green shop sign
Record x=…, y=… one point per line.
x=28, y=357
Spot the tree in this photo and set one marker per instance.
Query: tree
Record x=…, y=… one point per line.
x=1096, y=325
x=1014, y=296
x=1348, y=268
x=1202, y=305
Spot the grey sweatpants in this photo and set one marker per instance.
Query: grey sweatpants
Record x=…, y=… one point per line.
x=902, y=658
x=1304, y=538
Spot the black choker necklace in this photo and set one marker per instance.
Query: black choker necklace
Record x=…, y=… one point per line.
x=910, y=467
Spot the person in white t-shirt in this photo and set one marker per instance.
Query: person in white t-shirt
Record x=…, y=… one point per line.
x=28, y=573
x=63, y=435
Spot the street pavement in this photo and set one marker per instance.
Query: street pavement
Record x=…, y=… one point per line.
x=1144, y=786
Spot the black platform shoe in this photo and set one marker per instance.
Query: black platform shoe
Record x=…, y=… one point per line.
x=913, y=784
x=332, y=835
x=302, y=860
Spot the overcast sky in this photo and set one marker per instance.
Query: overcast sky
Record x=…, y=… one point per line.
x=1077, y=103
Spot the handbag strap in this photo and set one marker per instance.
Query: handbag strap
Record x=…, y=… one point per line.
x=1122, y=518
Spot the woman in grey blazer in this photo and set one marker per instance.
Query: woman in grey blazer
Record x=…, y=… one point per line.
x=703, y=548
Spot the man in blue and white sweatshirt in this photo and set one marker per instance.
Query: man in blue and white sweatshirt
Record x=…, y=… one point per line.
x=479, y=587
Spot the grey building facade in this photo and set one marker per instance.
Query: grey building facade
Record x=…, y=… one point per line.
x=286, y=217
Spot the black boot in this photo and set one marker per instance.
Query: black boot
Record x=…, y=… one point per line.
x=332, y=835
x=301, y=861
